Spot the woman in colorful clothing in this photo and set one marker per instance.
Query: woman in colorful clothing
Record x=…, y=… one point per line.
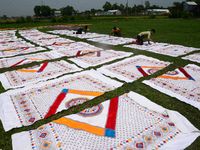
x=116, y=32
x=143, y=35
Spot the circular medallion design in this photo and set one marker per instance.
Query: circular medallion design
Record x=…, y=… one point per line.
x=90, y=112
x=172, y=72
x=152, y=71
x=76, y=101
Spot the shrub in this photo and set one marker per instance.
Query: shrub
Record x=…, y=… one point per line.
x=54, y=19
x=29, y=19
x=20, y=20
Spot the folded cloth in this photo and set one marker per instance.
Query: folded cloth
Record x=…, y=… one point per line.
x=127, y=122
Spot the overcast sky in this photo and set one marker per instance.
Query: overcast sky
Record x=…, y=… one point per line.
x=25, y=7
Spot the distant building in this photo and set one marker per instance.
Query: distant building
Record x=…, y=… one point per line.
x=113, y=12
x=189, y=6
x=157, y=11
x=57, y=13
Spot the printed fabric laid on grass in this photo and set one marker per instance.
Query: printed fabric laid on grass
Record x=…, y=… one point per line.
x=174, y=50
x=182, y=83
x=12, y=51
x=100, y=57
x=131, y=69
x=30, y=75
x=68, y=46
x=146, y=46
x=77, y=51
x=193, y=57
x=23, y=107
x=18, y=42
x=26, y=59
x=73, y=33
x=112, y=40
x=127, y=122
x=43, y=39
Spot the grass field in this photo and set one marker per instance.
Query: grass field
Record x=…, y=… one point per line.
x=182, y=32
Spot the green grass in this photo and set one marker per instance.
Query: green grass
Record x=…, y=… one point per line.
x=183, y=32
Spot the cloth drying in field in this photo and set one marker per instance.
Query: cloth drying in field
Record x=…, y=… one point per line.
x=74, y=49
x=100, y=57
x=7, y=34
x=146, y=46
x=44, y=71
x=133, y=68
x=12, y=44
x=174, y=50
x=193, y=57
x=77, y=51
x=43, y=39
x=22, y=107
x=127, y=122
x=26, y=59
x=68, y=46
x=182, y=83
x=73, y=33
x=12, y=51
x=111, y=40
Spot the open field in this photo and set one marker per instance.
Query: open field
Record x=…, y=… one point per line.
x=182, y=32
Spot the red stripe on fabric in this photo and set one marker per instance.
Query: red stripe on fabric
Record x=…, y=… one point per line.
x=184, y=72
x=78, y=53
x=54, y=107
x=24, y=49
x=142, y=71
x=98, y=54
x=18, y=63
x=112, y=114
x=43, y=67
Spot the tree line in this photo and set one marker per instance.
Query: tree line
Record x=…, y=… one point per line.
x=69, y=10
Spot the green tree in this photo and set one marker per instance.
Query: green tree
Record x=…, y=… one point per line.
x=147, y=4
x=115, y=6
x=107, y=6
x=37, y=10
x=42, y=11
x=45, y=11
x=67, y=11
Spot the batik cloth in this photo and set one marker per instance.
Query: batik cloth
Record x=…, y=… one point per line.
x=68, y=46
x=111, y=40
x=174, y=50
x=73, y=33
x=43, y=39
x=73, y=49
x=22, y=107
x=193, y=57
x=133, y=68
x=18, y=42
x=7, y=34
x=12, y=51
x=146, y=46
x=100, y=57
x=30, y=75
x=127, y=122
x=26, y=59
x=182, y=83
